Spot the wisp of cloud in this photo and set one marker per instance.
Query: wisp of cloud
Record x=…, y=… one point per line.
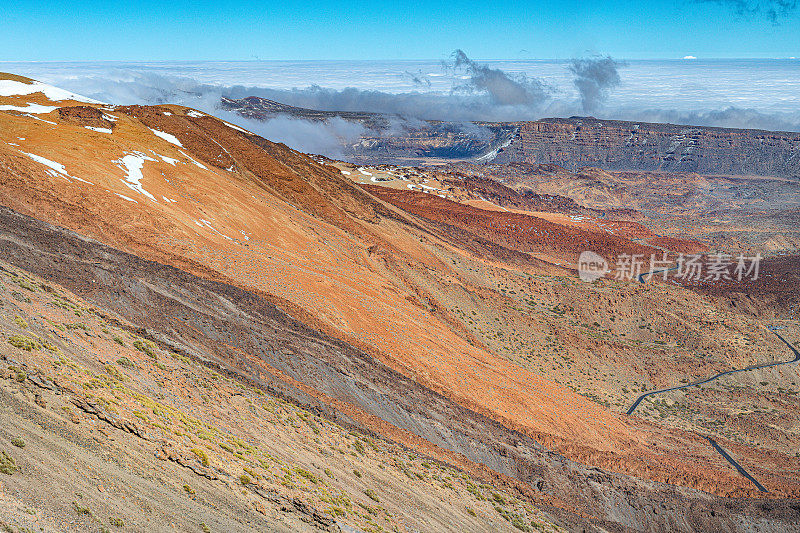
x=774, y=10
x=594, y=78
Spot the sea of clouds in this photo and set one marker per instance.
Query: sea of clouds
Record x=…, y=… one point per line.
x=763, y=94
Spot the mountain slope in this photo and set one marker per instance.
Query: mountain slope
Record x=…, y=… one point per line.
x=287, y=274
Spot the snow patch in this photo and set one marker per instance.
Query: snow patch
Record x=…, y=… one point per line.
x=207, y=224
x=18, y=88
x=31, y=108
x=132, y=165
x=40, y=119
x=201, y=165
x=167, y=137
x=194, y=114
x=167, y=113
x=345, y=172
x=99, y=130
x=238, y=128
x=58, y=167
x=126, y=198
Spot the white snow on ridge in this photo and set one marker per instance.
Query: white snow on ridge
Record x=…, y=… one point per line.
x=58, y=167
x=99, y=130
x=126, y=198
x=238, y=128
x=194, y=114
x=207, y=224
x=201, y=165
x=31, y=108
x=169, y=160
x=40, y=119
x=167, y=137
x=345, y=172
x=132, y=164
x=18, y=88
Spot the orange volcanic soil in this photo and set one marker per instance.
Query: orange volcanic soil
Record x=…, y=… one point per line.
x=526, y=233
x=183, y=188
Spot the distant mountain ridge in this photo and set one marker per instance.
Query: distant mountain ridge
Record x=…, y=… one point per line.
x=621, y=145
x=572, y=142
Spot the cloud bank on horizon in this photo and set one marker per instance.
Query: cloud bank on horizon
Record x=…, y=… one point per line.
x=459, y=90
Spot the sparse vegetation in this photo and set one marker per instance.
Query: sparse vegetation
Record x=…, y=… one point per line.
x=124, y=362
x=18, y=442
x=23, y=343
x=202, y=455
x=145, y=347
x=81, y=509
x=7, y=464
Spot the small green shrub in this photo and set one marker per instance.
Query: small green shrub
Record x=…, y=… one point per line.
x=112, y=371
x=18, y=442
x=202, y=455
x=145, y=347
x=357, y=473
x=244, y=479
x=23, y=343
x=124, y=362
x=371, y=495
x=188, y=489
x=359, y=446
x=19, y=321
x=81, y=509
x=7, y=464
x=307, y=475
x=116, y=522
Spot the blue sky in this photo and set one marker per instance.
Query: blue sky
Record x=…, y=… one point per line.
x=323, y=29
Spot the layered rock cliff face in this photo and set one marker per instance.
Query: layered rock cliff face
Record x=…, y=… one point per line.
x=569, y=142
x=616, y=145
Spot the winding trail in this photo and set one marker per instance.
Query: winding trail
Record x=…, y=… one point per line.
x=717, y=376
x=713, y=443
